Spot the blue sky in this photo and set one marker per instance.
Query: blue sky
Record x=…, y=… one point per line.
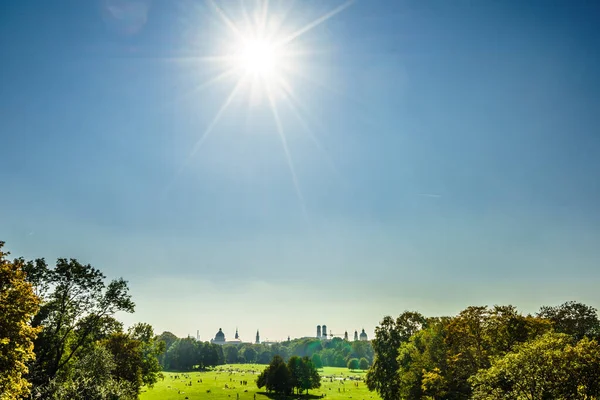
x=446, y=154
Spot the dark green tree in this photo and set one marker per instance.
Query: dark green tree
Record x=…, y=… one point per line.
x=90, y=377
x=250, y=355
x=276, y=377
x=389, y=335
x=75, y=304
x=231, y=354
x=150, y=348
x=573, y=318
x=353, y=364
x=316, y=360
x=363, y=364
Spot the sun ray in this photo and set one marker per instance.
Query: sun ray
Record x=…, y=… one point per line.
x=197, y=89
x=294, y=103
x=217, y=117
x=320, y=84
x=226, y=19
x=208, y=130
x=286, y=150
x=313, y=24
x=262, y=24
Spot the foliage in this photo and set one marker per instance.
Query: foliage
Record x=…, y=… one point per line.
x=552, y=366
x=276, y=377
x=383, y=374
x=572, y=318
x=353, y=364
x=249, y=355
x=75, y=304
x=18, y=304
x=231, y=354
x=303, y=374
x=316, y=360
x=90, y=378
x=363, y=364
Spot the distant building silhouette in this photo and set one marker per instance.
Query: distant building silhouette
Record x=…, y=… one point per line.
x=363, y=336
x=346, y=335
x=355, y=336
x=324, y=331
x=257, y=337
x=318, y=331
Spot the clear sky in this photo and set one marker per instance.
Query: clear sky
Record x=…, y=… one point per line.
x=392, y=155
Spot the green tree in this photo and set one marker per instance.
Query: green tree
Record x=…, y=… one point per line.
x=250, y=355
x=422, y=363
x=389, y=335
x=231, y=354
x=276, y=377
x=353, y=364
x=316, y=360
x=91, y=378
x=551, y=366
x=75, y=304
x=150, y=349
x=310, y=376
x=185, y=353
x=296, y=372
x=363, y=364
x=168, y=339
x=18, y=304
x=572, y=318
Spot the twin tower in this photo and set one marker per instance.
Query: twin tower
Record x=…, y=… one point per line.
x=322, y=334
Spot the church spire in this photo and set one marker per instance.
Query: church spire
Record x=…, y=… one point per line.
x=236, y=333
x=257, y=337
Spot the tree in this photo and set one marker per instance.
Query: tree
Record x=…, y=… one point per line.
x=572, y=318
x=310, y=376
x=316, y=360
x=185, y=353
x=231, y=354
x=18, y=304
x=150, y=348
x=265, y=357
x=168, y=339
x=276, y=377
x=363, y=364
x=422, y=363
x=75, y=302
x=383, y=374
x=551, y=366
x=91, y=378
x=296, y=372
x=353, y=364
x=250, y=355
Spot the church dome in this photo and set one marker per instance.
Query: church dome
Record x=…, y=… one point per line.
x=220, y=336
x=363, y=335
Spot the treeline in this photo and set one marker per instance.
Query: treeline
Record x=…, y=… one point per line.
x=488, y=353
x=185, y=354
x=59, y=338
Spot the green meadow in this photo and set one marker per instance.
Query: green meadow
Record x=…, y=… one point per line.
x=225, y=383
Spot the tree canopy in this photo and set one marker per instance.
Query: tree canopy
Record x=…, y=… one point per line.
x=18, y=304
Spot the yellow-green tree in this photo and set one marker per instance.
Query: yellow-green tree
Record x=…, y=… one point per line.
x=18, y=304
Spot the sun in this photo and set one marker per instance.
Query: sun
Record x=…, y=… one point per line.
x=259, y=57
x=259, y=52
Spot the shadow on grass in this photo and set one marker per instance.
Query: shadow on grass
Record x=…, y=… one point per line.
x=275, y=396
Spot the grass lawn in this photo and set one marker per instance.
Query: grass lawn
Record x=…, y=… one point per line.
x=224, y=383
